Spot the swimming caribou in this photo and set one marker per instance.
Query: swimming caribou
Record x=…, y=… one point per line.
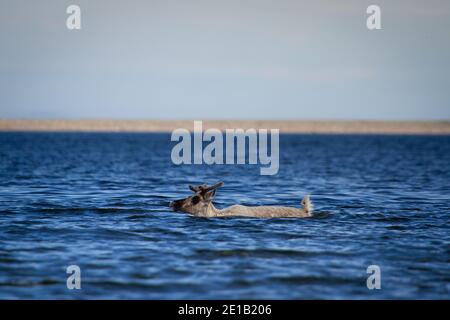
x=200, y=205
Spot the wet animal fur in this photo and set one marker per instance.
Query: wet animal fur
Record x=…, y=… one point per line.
x=200, y=204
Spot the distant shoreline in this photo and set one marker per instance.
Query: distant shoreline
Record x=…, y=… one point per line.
x=285, y=126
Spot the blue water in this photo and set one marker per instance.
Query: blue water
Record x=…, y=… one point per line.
x=100, y=201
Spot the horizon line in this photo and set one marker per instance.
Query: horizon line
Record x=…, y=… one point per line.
x=433, y=127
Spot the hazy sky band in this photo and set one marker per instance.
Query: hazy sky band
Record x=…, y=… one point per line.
x=225, y=59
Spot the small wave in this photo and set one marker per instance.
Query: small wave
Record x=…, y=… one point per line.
x=136, y=217
x=102, y=210
x=321, y=215
x=29, y=283
x=325, y=280
x=264, y=253
x=121, y=234
x=252, y=253
x=396, y=227
x=393, y=219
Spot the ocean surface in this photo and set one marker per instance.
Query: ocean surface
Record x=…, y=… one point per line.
x=100, y=201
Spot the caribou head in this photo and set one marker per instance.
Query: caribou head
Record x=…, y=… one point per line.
x=198, y=204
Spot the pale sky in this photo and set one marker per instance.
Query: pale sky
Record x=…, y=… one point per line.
x=207, y=59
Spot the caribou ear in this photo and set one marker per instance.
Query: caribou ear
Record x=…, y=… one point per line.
x=216, y=186
x=203, y=189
